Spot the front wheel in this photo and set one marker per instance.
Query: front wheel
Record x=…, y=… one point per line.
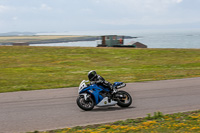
x=124, y=99
x=85, y=104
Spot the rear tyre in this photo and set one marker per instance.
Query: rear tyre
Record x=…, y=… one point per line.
x=124, y=99
x=85, y=104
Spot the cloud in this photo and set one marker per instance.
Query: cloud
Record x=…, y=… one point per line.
x=135, y=12
x=15, y=18
x=95, y=14
x=4, y=8
x=45, y=7
x=137, y=5
x=179, y=1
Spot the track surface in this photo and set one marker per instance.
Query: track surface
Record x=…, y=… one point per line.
x=56, y=108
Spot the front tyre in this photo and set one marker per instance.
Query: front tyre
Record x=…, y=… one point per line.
x=85, y=104
x=124, y=99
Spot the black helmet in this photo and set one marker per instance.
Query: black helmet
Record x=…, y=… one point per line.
x=92, y=75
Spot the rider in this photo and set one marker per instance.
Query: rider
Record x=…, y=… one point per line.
x=97, y=79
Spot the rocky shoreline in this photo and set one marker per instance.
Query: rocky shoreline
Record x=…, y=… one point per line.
x=57, y=40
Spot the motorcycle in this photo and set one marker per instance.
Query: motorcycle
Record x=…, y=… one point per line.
x=91, y=95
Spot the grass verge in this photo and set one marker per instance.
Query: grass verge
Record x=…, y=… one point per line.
x=187, y=122
x=29, y=68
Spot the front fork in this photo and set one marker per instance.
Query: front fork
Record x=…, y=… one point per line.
x=85, y=95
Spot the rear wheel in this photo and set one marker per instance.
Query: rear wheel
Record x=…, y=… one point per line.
x=85, y=104
x=124, y=99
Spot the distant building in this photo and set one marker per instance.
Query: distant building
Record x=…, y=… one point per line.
x=111, y=40
x=20, y=44
x=118, y=41
x=137, y=44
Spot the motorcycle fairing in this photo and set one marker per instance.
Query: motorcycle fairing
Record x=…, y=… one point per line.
x=106, y=102
x=94, y=90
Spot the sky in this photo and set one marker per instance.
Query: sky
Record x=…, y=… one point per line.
x=88, y=15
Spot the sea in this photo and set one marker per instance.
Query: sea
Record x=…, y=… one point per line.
x=189, y=38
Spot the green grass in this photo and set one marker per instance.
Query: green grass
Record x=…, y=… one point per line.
x=30, y=68
x=187, y=122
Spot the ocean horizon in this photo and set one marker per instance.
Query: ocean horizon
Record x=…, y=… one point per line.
x=151, y=38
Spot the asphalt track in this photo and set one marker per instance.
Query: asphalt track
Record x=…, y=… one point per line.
x=56, y=108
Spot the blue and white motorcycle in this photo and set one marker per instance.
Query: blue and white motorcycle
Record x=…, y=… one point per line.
x=96, y=95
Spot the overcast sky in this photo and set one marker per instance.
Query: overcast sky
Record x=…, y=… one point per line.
x=72, y=15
